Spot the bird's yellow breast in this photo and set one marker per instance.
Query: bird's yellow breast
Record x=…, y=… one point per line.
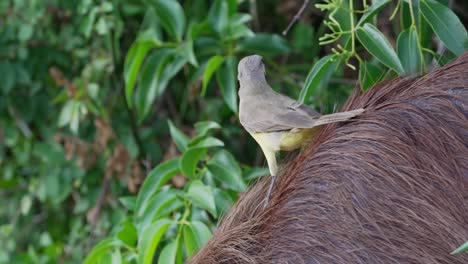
x=293, y=140
x=284, y=140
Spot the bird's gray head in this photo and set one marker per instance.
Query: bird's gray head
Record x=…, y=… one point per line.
x=251, y=68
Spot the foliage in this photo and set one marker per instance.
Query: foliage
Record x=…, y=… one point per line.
x=90, y=89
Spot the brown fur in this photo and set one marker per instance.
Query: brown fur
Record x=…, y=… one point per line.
x=391, y=186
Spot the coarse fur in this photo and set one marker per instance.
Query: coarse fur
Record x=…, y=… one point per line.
x=390, y=186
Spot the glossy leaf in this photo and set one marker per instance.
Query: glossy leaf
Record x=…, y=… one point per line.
x=189, y=161
x=226, y=77
x=196, y=234
x=200, y=195
x=100, y=249
x=171, y=15
x=154, y=208
x=377, y=44
x=225, y=168
x=237, y=28
x=223, y=200
x=409, y=51
x=127, y=234
x=160, y=68
x=373, y=10
x=218, y=16
x=169, y=252
x=264, y=44
x=369, y=74
x=195, y=152
x=211, y=66
x=190, y=240
x=202, y=232
x=316, y=76
x=203, y=127
x=446, y=25
x=133, y=61
x=150, y=79
x=150, y=239
x=179, y=138
x=155, y=179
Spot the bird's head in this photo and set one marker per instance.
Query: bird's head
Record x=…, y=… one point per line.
x=251, y=68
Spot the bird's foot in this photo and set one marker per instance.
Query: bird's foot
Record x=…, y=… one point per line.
x=272, y=184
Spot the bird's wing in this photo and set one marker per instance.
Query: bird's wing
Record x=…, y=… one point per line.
x=280, y=113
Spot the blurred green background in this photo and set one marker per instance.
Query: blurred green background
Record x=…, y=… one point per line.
x=97, y=96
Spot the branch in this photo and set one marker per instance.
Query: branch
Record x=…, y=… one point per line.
x=296, y=17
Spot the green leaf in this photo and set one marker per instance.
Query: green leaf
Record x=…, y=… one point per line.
x=226, y=77
x=237, y=28
x=127, y=234
x=170, y=69
x=324, y=67
x=211, y=66
x=225, y=168
x=462, y=248
x=200, y=195
x=373, y=10
x=202, y=232
x=203, y=127
x=208, y=142
x=218, y=17
x=190, y=240
x=377, y=45
x=343, y=17
x=446, y=25
x=189, y=161
x=179, y=138
x=100, y=249
x=155, y=207
x=195, y=152
x=169, y=252
x=8, y=73
x=128, y=202
x=369, y=74
x=150, y=84
x=409, y=52
x=264, y=44
x=223, y=200
x=150, y=239
x=154, y=181
x=171, y=15
x=405, y=15
x=196, y=234
x=132, y=65
x=188, y=53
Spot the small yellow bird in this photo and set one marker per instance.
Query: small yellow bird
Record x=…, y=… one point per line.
x=276, y=121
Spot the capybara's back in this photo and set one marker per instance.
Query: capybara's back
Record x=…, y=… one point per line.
x=390, y=186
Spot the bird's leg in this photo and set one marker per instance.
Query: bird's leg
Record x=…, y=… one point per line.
x=271, y=160
x=272, y=184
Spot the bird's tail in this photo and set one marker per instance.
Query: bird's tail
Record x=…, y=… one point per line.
x=338, y=117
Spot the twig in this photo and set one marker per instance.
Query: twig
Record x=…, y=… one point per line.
x=254, y=13
x=296, y=17
x=96, y=210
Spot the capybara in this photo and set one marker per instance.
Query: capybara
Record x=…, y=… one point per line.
x=390, y=186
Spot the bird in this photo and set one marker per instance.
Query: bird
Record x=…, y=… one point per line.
x=276, y=121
